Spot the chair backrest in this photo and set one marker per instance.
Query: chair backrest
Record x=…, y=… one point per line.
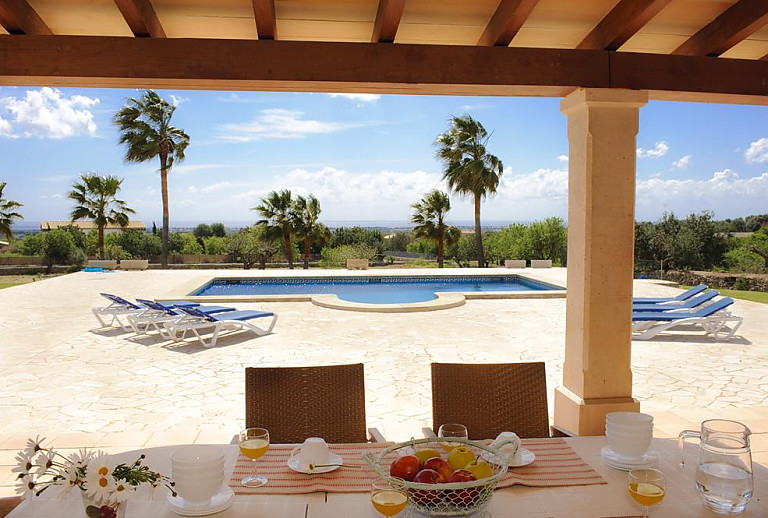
x=491, y=398
x=294, y=403
x=691, y=292
x=194, y=312
x=120, y=300
x=151, y=304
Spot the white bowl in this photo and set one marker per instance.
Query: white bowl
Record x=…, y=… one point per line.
x=196, y=455
x=632, y=448
x=198, y=491
x=628, y=418
x=200, y=476
x=629, y=430
x=205, y=468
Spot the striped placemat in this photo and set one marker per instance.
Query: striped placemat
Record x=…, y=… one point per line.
x=556, y=464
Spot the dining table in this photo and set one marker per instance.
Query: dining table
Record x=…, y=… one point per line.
x=609, y=498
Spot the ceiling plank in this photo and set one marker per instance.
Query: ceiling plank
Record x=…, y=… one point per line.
x=266, y=20
x=215, y=64
x=387, y=21
x=509, y=17
x=733, y=26
x=141, y=18
x=623, y=22
x=18, y=17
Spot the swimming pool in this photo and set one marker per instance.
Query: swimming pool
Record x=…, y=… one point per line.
x=372, y=290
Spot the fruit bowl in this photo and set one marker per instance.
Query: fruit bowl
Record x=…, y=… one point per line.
x=444, y=499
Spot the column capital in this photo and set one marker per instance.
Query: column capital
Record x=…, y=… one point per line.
x=605, y=97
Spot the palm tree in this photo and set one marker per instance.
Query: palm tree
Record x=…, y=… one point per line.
x=429, y=217
x=8, y=214
x=145, y=126
x=277, y=211
x=306, y=212
x=96, y=199
x=469, y=169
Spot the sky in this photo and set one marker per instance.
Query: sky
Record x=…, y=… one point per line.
x=367, y=158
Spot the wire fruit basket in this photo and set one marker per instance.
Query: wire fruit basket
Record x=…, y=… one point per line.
x=448, y=499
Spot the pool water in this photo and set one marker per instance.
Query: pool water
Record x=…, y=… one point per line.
x=372, y=290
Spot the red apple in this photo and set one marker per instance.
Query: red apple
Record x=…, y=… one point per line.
x=439, y=465
x=405, y=467
x=420, y=496
x=463, y=497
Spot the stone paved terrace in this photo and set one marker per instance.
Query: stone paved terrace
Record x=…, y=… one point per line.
x=81, y=386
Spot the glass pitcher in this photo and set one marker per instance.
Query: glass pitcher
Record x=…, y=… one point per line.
x=724, y=471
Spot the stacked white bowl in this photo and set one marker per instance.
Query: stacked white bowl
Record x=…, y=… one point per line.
x=198, y=471
x=629, y=433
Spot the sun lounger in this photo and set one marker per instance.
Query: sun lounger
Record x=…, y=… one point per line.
x=713, y=318
x=119, y=307
x=157, y=313
x=683, y=296
x=196, y=322
x=691, y=303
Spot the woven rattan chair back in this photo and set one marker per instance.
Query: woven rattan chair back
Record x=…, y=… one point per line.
x=8, y=504
x=294, y=403
x=491, y=398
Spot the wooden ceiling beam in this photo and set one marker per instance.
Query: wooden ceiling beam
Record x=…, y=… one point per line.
x=214, y=64
x=505, y=23
x=266, y=20
x=141, y=18
x=623, y=22
x=733, y=26
x=18, y=17
x=387, y=21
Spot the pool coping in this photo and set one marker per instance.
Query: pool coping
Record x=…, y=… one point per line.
x=443, y=300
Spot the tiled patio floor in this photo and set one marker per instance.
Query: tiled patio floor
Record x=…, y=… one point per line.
x=81, y=386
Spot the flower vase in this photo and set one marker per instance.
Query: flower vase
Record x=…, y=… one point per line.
x=103, y=509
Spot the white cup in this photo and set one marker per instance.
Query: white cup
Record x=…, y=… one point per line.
x=313, y=451
x=628, y=418
x=629, y=434
x=508, y=444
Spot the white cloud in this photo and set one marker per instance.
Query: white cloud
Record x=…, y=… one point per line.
x=657, y=152
x=192, y=189
x=475, y=107
x=563, y=159
x=186, y=169
x=543, y=183
x=279, y=123
x=177, y=100
x=57, y=195
x=359, y=98
x=683, y=162
x=46, y=113
x=757, y=152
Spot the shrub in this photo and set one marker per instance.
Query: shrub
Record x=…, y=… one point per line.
x=31, y=244
x=137, y=244
x=249, y=247
x=77, y=258
x=215, y=245
x=742, y=283
x=218, y=230
x=202, y=230
x=423, y=246
x=337, y=256
x=58, y=244
x=357, y=236
x=116, y=253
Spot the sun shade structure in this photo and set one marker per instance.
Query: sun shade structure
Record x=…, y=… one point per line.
x=607, y=58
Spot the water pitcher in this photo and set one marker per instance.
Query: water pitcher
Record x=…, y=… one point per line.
x=724, y=471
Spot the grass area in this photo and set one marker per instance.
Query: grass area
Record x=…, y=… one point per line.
x=8, y=281
x=754, y=296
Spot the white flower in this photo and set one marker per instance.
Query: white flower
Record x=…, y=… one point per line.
x=24, y=464
x=120, y=493
x=44, y=461
x=81, y=458
x=99, y=482
x=26, y=486
x=33, y=446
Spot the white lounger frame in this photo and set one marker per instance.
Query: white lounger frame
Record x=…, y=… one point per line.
x=113, y=312
x=716, y=325
x=177, y=329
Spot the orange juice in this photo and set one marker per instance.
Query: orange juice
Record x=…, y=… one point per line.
x=646, y=493
x=389, y=502
x=254, y=448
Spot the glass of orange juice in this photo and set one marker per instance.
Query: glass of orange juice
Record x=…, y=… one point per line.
x=389, y=496
x=647, y=487
x=454, y=430
x=254, y=442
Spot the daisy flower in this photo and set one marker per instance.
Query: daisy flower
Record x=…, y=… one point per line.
x=26, y=486
x=99, y=482
x=33, y=446
x=44, y=461
x=120, y=493
x=24, y=464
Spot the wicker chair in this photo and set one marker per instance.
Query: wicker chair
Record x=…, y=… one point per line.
x=491, y=398
x=8, y=504
x=294, y=403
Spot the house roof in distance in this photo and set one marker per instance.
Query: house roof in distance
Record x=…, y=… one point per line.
x=89, y=225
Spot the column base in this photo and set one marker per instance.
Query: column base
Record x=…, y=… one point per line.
x=587, y=416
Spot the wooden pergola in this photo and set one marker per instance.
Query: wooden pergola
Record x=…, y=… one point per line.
x=607, y=58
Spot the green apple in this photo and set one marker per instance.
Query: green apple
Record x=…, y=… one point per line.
x=460, y=457
x=480, y=468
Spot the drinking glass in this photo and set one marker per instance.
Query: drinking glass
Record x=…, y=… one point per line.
x=452, y=430
x=254, y=442
x=389, y=496
x=647, y=487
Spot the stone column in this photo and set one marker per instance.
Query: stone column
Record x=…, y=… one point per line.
x=597, y=378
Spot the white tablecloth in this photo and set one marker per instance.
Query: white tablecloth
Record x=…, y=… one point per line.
x=607, y=500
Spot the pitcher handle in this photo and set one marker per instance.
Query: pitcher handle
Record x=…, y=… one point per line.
x=685, y=434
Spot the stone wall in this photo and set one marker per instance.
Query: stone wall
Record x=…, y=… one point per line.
x=751, y=281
